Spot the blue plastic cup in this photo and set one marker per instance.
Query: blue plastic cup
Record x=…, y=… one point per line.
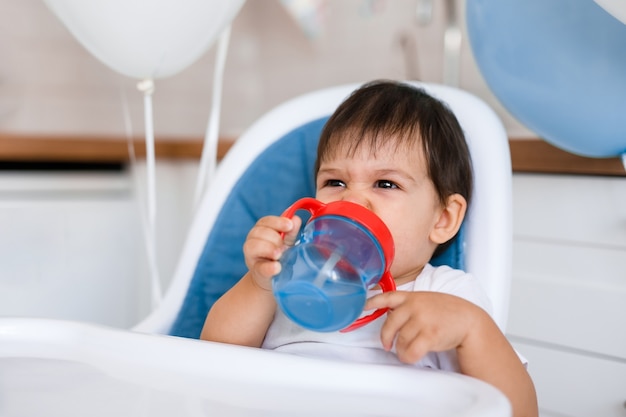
x=343, y=250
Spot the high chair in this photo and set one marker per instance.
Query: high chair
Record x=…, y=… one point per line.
x=271, y=166
x=52, y=367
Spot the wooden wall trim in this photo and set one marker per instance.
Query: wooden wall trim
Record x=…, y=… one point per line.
x=537, y=156
x=34, y=148
x=529, y=155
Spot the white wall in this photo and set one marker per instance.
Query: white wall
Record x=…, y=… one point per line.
x=50, y=83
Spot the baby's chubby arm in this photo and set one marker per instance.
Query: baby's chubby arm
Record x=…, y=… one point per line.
x=243, y=314
x=422, y=322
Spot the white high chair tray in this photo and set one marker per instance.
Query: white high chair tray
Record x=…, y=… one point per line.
x=59, y=368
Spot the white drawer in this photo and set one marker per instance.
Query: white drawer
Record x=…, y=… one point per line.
x=68, y=251
x=570, y=296
x=568, y=208
x=574, y=385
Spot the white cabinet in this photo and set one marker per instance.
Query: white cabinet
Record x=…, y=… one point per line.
x=571, y=383
x=568, y=306
x=72, y=245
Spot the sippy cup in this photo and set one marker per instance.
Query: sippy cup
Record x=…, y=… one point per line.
x=343, y=250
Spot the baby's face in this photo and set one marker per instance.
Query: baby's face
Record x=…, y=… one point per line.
x=394, y=184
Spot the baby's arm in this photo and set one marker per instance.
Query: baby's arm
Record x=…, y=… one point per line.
x=422, y=322
x=243, y=315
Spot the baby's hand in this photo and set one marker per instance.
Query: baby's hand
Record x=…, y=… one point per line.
x=264, y=246
x=422, y=322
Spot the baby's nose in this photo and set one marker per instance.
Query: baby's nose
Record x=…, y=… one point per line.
x=357, y=198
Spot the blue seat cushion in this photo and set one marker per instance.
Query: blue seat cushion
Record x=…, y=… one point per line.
x=280, y=175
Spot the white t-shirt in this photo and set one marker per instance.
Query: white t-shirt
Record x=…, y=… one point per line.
x=363, y=344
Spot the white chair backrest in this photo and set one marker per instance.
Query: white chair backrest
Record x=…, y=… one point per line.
x=488, y=223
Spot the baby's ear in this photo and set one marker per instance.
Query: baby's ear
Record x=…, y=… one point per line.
x=450, y=219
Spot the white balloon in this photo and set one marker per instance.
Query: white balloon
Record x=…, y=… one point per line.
x=615, y=7
x=146, y=38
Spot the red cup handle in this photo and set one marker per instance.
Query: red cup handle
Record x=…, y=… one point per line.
x=386, y=284
x=307, y=203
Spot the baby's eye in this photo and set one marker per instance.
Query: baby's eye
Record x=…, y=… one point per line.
x=335, y=183
x=386, y=184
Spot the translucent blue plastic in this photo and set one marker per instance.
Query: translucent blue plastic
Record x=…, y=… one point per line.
x=324, y=278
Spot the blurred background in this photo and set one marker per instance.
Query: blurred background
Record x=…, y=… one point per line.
x=50, y=84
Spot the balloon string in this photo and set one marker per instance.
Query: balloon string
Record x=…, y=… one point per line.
x=147, y=88
x=147, y=237
x=208, y=160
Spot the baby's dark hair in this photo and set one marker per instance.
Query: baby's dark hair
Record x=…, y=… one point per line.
x=389, y=110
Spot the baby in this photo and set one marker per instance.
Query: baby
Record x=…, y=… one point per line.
x=401, y=153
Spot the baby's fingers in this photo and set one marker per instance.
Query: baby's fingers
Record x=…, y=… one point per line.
x=261, y=248
x=292, y=235
x=391, y=299
x=395, y=318
x=270, y=228
x=412, y=342
x=262, y=272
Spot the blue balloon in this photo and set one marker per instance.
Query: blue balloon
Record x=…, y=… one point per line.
x=559, y=66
